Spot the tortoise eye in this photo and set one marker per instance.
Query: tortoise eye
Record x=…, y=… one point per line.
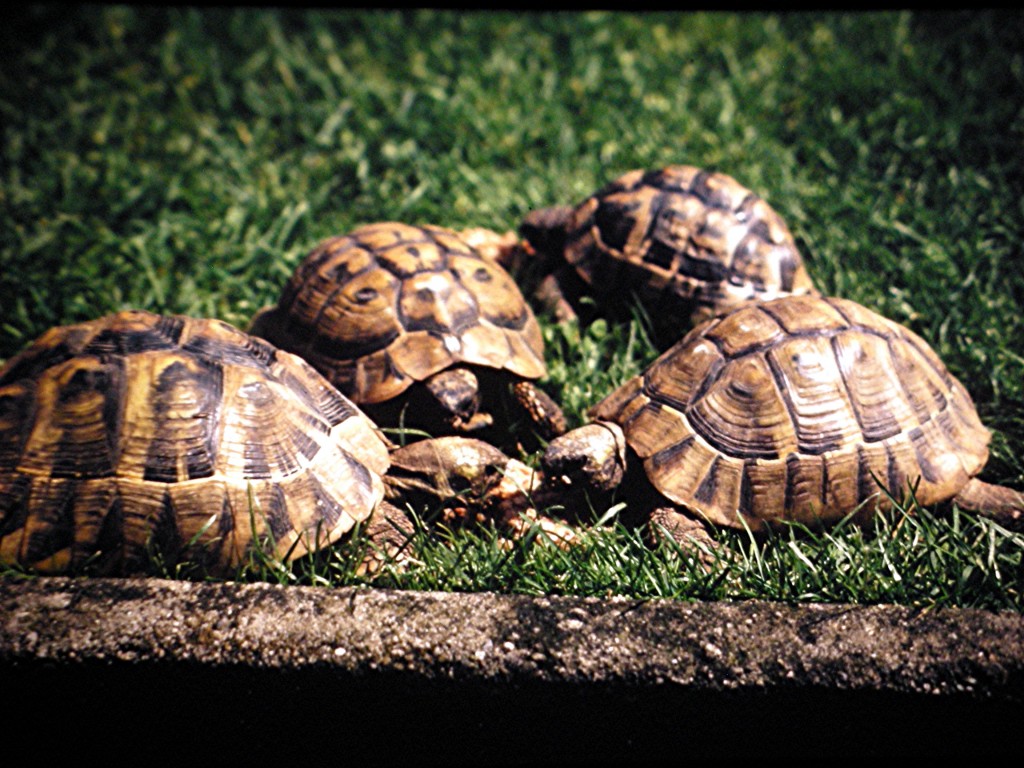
x=366, y=295
x=482, y=275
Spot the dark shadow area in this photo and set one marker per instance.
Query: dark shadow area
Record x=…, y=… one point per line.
x=137, y=712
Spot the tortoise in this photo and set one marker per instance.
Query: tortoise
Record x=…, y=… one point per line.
x=139, y=433
x=804, y=408
x=418, y=328
x=458, y=481
x=686, y=242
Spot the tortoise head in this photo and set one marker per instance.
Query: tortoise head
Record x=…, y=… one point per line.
x=457, y=392
x=545, y=228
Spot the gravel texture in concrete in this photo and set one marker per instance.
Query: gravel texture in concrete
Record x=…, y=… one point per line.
x=432, y=678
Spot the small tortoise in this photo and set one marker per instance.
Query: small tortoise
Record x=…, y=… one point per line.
x=798, y=409
x=138, y=433
x=686, y=242
x=461, y=481
x=416, y=327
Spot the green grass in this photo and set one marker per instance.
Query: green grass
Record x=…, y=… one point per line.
x=181, y=160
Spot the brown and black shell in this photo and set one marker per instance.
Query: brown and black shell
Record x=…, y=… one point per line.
x=797, y=409
x=138, y=433
x=390, y=304
x=684, y=240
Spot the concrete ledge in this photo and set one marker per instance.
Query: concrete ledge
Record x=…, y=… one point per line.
x=419, y=678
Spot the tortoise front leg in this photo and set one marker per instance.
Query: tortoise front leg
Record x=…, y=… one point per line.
x=557, y=292
x=389, y=531
x=690, y=533
x=541, y=410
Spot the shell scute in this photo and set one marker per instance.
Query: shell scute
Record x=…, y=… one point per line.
x=816, y=407
x=391, y=304
x=741, y=414
x=685, y=232
x=183, y=434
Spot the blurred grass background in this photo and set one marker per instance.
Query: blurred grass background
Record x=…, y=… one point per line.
x=186, y=159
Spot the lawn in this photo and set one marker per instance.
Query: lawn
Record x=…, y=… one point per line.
x=184, y=160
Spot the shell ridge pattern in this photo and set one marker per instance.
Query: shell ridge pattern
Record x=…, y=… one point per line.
x=783, y=391
x=746, y=506
x=698, y=187
x=121, y=340
x=17, y=413
x=765, y=349
x=65, y=417
x=930, y=359
x=182, y=437
x=894, y=478
x=756, y=446
x=743, y=210
x=705, y=492
x=342, y=265
x=868, y=432
x=652, y=391
x=340, y=280
x=446, y=325
x=797, y=333
x=172, y=461
x=13, y=506
x=671, y=452
x=656, y=253
x=56, y=511
x=102, y=458
x=48, y=350
x=918, y=441
x=516, y=322
x=940, y=411
x=868, y=483
x=329, y=300
x=845, y=385
x=854, y=406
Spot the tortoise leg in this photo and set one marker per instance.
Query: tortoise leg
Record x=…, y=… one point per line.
x=552, y=295
x=686, y=530
x=540, y=408
x=390, y=532
x=1002, y=504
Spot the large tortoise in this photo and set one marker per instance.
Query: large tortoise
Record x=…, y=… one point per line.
x=139, y=434
x=417, y=328
x=685, y=242
x=803, y=409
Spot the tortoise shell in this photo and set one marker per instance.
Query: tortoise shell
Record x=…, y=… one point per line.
x=798, y=409
x=390, y=304
x=683, y=236
x=136, y=431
